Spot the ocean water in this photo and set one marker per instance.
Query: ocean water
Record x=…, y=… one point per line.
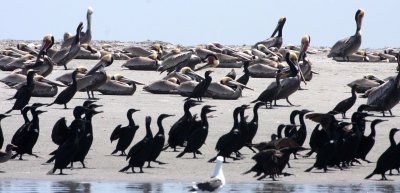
x=37, y=186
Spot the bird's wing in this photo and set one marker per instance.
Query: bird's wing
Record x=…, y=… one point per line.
x=174, y=60
x=339, y=46
x=86, y=81
x=379, y=92
x=60, y=131
x=210, y=185
x=116, y=133
x=137, y=147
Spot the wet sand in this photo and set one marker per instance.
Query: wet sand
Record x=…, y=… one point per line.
x=320, y=95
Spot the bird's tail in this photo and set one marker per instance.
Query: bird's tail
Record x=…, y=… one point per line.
x=369, y=176
x=125, y=168
x=115, y=151
x=10, y=98
x=53, y=152
x=254, y=101
x=165, y=147
x=51, y=159
x=9, y=111
x=181, y=154
x=193, y=188
x=50, y=104
x=246, y=172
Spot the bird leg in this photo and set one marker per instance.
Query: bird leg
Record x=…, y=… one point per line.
x=65, y=67
x=141, y=170
x=65, y=106
x=309, y=169
x=148, y=165
x=383, y=177
x=133, y=170
x=390, y=112
x=251, y=148
x=367, y=161
x=83, y=164
x=194, y=155
x=87, y=91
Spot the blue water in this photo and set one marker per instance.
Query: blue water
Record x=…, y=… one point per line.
x=33, y=186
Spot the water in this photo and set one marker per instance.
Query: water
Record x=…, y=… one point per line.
x=33, y=186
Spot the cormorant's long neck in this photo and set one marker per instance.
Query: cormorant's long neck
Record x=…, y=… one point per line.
x=391, y=138
x=255, y=113
x=203, y=117
x=29, y=80
x=74, y=82
x=77, y=36
x=235, y=119
x=25, y=116
x=292, y=117
x=302, y=123
x=149, y=134
x=373, y=131
x=88, y=124
x=187, y=112
x=130, y=119
x=35, y=120
x=353, y=92
x=279, y=132
x=160, y=126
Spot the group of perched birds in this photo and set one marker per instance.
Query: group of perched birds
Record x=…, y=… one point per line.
x=337, y=143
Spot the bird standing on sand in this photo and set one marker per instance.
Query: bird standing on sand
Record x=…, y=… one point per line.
x=199, y=91
x=5, y=156
x=349, y=45
x=24, y=93
x=215, y=183
x=343, y=106
x=68, y=93
x=125, y=134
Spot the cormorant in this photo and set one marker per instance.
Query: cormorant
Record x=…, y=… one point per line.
x=199, y=133
x=85, y=142
x=68, y=93
x=180, y=129
x=140, y=152
x=67, y=150
x=200, y=89
x=158, y=141
x=343, y=106
x=367, y=142
x=388, y=159
x=24, y=93
x=26, y=138
x=244, y=79
x=124, y=134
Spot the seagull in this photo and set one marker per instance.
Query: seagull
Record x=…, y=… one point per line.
x=215, y=183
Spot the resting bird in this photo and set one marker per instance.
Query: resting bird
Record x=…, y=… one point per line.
x=349, y=45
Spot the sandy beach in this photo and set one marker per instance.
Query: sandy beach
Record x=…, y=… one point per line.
x=320, y=95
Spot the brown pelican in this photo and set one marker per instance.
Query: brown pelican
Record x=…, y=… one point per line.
x=118, y=85
x=185, y=74
x=135, y=51
x=262, y=71
x=221, y=91
x=274, y=41
x=366, y=83
x=349, y=45
x=42, y=88
x=384, y=97
x=226, y=61
x=175, y=62
x=65, y=55
x=95, y=77
x=228, y=81
x=270, y=93
x=85, y=37
x=67, y=77
x=290, y=84
x=27, y=49
x=168, y=86
x=143, y=63
x=305, y=64
x=16, y=63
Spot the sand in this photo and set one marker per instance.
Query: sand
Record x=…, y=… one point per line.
x=320, y=95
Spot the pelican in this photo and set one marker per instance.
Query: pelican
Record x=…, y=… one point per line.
x=143, y=63
x=175, y=62
x=118, y=85
x=262, y=71
x=349, y=45
x=85, y=37
x=95, y=77
x=386, y=96
x=185, y=74
x=304, y=64
x=65, y=55
x=221, y=91
x=88, y=52
x=26, y=49
x=228, y=81
x=67, y=77
x=168, y=86
x=274, y=41
x=366, y=83
x=43, y=87
x=16, y=63
x=135, y=51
